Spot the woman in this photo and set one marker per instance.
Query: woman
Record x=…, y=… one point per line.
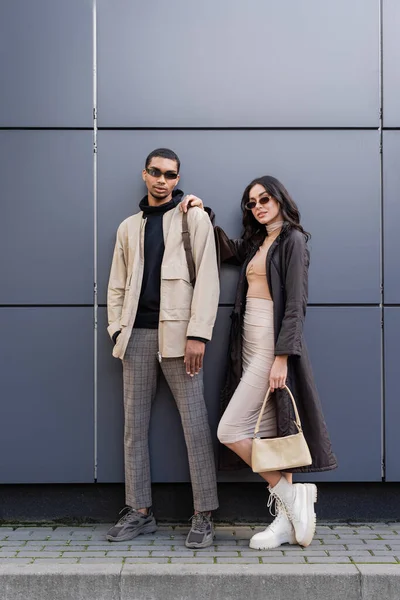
x=267, y=350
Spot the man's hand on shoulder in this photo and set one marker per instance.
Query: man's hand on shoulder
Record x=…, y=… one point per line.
x=193, y=358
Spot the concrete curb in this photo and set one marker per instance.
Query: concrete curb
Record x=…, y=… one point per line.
x=199, y=582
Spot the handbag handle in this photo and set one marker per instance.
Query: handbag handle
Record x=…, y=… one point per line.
x=297, y=422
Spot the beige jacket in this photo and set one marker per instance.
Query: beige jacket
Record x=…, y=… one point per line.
x=184, y=311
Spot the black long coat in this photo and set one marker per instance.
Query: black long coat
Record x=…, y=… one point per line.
x=287, y=275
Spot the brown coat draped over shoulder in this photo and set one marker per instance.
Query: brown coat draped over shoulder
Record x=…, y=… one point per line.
x=287, y=275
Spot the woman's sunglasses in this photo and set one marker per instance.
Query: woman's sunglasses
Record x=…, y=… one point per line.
x=154, y=172
x=252, y=203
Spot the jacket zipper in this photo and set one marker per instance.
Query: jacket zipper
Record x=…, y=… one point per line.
x=159, y=355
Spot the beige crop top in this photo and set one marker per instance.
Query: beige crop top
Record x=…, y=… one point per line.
x=256, y=269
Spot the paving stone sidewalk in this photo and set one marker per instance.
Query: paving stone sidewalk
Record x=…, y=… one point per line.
x=371, y=543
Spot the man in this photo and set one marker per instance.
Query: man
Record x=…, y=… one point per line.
x=158, y=320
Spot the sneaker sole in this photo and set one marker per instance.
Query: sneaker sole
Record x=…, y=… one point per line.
x=151, y=528
x=195, y=546
x=312, y=496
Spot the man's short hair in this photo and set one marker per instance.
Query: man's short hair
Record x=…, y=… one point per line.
x=163, y=153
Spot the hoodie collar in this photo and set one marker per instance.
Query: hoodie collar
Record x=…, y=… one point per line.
x=177, y=196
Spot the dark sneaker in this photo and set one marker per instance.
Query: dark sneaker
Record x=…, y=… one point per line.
x=201, y=534
x=132, y=524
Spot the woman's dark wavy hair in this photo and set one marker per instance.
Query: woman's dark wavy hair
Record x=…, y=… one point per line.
x=255, y=231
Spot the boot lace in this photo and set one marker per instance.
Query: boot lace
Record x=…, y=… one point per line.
x=272, y=498
x=280, y=507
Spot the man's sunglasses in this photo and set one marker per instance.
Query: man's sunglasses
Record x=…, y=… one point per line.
x=252, y=203
x=154, y=172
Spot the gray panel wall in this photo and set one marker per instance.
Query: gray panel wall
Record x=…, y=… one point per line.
x=238, y=103
x=391, y=217
x=343, y=373
x=391, y=59
x=46, y=390
x=167, y=445
x=46, y=229
x=391, y=206
x=392, y=296
x=46, y=242
x=392, y=336
x=331, y=205
x=349, y=381
x=46, y=63
x=229, y=64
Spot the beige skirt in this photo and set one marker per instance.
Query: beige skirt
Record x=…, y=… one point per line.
x=239, y=420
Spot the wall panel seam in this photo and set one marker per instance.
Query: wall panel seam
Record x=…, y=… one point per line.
x=238, y=128
x=95, y=256
x=382, y=261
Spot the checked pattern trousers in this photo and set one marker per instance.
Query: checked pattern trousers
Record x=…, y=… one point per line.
x=140, y=371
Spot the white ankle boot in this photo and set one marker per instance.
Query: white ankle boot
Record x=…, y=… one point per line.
x=280, y=532
x=298, y=500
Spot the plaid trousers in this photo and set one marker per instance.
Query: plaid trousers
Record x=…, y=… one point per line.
x=140, y=371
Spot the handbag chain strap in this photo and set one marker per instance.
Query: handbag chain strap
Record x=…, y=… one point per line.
x=297, y=422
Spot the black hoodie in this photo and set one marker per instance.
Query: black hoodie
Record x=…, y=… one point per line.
x=148, y=312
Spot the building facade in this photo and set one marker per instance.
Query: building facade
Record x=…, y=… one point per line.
x=307, y=91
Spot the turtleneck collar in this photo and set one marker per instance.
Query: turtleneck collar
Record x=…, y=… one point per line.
x=272, y=227
x=177, y=196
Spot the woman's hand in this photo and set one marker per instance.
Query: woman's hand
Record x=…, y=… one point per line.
x=278, y=375
x=194, y=201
